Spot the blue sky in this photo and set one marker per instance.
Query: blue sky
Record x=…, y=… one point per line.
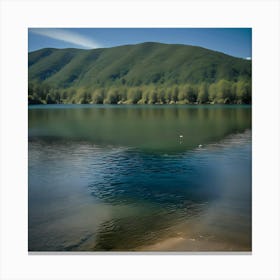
x=233, y=41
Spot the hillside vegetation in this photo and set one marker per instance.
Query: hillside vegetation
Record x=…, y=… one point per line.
x=147, y=73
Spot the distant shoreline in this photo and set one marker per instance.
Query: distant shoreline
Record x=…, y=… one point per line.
x=136, y=105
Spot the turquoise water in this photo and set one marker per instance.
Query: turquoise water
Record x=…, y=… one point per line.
x=121, y=178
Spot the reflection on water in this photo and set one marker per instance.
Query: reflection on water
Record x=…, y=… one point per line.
x=91, y=191
x=149, y=127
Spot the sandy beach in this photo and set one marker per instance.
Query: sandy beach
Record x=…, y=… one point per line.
x=181, y=244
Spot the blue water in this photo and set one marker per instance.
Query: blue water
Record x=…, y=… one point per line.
x=86, y=194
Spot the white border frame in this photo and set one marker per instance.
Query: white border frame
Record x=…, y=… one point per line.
x=17, y=16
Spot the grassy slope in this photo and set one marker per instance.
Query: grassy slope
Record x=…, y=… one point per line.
x=134, y=65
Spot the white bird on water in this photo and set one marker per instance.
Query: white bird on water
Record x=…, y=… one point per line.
x=181, y=138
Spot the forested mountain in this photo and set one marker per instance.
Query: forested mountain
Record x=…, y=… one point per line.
x=146, y=73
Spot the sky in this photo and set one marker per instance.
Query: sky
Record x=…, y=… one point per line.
x=233, y=41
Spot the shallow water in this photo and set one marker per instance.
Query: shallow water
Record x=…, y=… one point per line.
x=121, y=178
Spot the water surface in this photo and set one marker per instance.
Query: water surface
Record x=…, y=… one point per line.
x=121, y=178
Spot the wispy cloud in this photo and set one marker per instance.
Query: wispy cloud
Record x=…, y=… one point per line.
x=66, y=36
x=248, y=58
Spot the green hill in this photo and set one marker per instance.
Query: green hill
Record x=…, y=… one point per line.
x=142, y=73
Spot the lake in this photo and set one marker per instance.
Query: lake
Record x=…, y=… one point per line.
x=139, y=178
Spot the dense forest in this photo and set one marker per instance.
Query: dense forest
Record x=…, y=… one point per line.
x=147, y=73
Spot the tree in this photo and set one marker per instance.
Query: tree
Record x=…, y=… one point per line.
x=34, y=99
x=233, y=92
x=49, y=99
x=57, y=96
x=243, y=92
x=98, y=96
x=112, y=97
x=152, y=96
x=213, y=93
x=247, y=97
x=64, y=95
x=202, y=96
x=30, y=89
x=188, y=93
x=123, y=93
x=161, y=96
x=168, y=96
x=224, y=92
x=71, y=95
x=134, y=95
x=145, y=97
x=85, y=97
x=174, y=94
x=182, y=95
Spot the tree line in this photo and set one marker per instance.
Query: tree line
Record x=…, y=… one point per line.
x=221, y=92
